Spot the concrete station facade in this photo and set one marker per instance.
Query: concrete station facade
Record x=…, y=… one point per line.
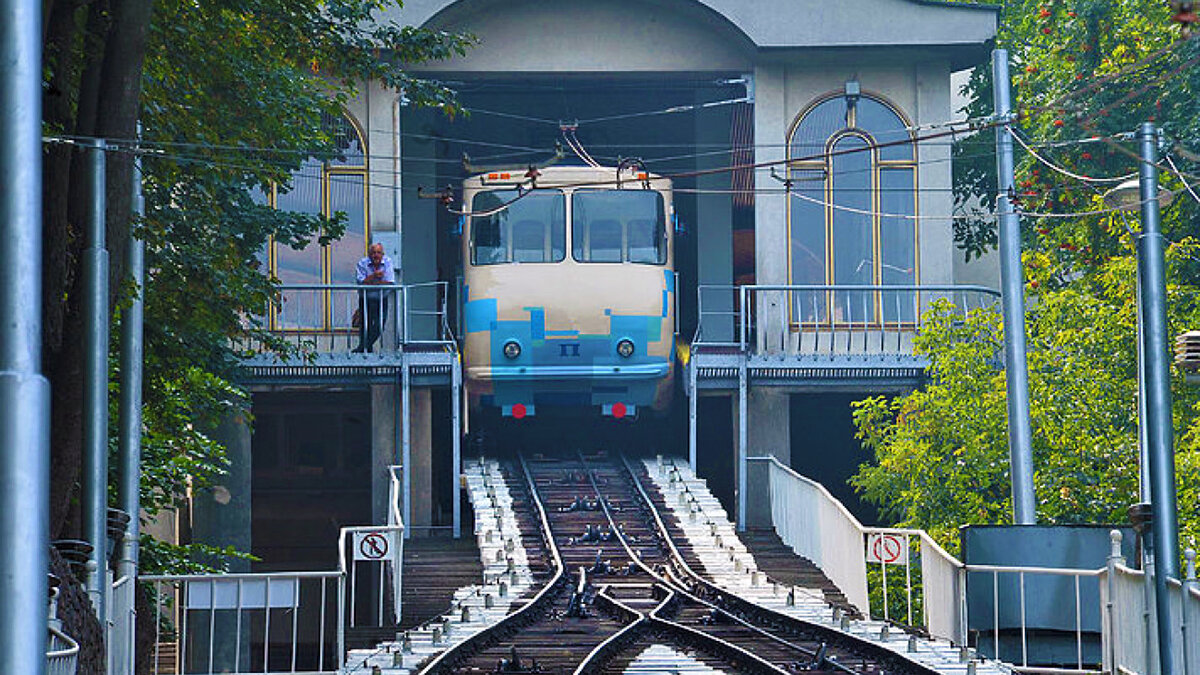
x=751, y=81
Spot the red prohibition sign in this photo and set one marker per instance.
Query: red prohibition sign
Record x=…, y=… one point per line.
x=374, y=546
x=886, y=548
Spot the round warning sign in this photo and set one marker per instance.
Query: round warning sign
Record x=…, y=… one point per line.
x=886, y=548
x=372, y=545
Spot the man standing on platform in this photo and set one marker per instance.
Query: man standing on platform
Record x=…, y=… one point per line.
x=374, y=270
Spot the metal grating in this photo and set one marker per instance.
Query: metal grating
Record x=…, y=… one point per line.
x=1187, y=351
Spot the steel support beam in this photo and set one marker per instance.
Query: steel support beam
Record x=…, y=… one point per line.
x=1012, y=284
x=1157, y=388
x=743, y=440
x=456, y=444
x=405, y=428
x=693, y=393
x=95, y=385
x=24, y=392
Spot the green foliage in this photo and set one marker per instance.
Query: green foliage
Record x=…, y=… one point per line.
x=234, y=99
x=941, y=452
x=1085, y=73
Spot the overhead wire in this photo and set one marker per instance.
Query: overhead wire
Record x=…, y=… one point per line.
x=1066, y=172
x=1180, y=175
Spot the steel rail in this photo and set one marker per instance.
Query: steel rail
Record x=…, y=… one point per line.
x=861, y=648
x=676, y=559
x=616, y=643
x=450, y=657
x=717, y=646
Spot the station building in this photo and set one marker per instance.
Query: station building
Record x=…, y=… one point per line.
x=801, y=281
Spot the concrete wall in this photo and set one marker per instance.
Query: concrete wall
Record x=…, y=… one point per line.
x=763, y=23
x=384, y=452
x=221, y=513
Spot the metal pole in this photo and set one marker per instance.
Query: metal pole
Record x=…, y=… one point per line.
x=130, y=431
x=121, y=652
x=693, y=400
x=406, y=444
x=24, y=392
x=95, y=387
x=743, y=440
x=456, y=442
x=1020, y=437
x=1151, y=269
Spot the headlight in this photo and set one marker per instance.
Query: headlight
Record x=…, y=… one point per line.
x=511, y=349
x=625, y=348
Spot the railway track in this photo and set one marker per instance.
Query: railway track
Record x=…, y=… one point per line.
x=616, y=587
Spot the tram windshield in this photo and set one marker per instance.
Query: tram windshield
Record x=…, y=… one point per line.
x=532, y=229
x=618, y=226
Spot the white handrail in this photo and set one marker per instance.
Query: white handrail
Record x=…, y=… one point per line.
x=836, y=543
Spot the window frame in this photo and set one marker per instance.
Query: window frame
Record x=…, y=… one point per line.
x=330, y=171
x=509, y=258
x=661, y=235
x=825, y=165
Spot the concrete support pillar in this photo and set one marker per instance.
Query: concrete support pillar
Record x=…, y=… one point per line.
x=385, y=442
x=714, y=223
x=383, y=447
x=771, y=121
x=935, y=234
x=418, y=238
x=421, y=425
x=221, y=513
x=770, y=435
x=221, y=516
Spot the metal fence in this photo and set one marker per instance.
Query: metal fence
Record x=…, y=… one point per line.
x=335, y=317
x=248, y=623
x=278, y=622
x=62, y=653
x=904, y=576
x=1130, y=620
x=826, y=319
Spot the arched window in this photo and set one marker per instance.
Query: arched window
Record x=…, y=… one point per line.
x=851, y=212
x=329, y=187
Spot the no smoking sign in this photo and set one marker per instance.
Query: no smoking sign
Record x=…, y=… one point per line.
x=373, y=545
x=889, y=549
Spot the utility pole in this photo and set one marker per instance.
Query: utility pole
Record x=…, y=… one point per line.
x=129, y=444
x=1164, y=540
x=24, y=391
x=95, y=388
x=1012, y=285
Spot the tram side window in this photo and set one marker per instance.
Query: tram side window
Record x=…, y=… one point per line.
x=531, y=229
x=618, y=225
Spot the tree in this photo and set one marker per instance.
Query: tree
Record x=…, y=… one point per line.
x=1087, y=72
x=231, y=98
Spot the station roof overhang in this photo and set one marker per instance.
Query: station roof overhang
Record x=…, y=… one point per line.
x=715, y=35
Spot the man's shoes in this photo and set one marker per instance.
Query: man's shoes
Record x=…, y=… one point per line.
x=357, y=350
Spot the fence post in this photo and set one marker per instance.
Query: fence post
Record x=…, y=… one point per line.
x=1108, y=636
x=962, y=605
x=1189, y=584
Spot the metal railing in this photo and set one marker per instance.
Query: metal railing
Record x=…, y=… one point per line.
x=1022, y=573
x=825, y=318
x=365, y=542
x=818, y=527
x=336, y=317
x=62, y=653
x=122, y=622
x=249, y=623
x=1130, y=621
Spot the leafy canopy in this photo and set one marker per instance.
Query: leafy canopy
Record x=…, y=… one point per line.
x=1086, y=72
x=234, y=99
